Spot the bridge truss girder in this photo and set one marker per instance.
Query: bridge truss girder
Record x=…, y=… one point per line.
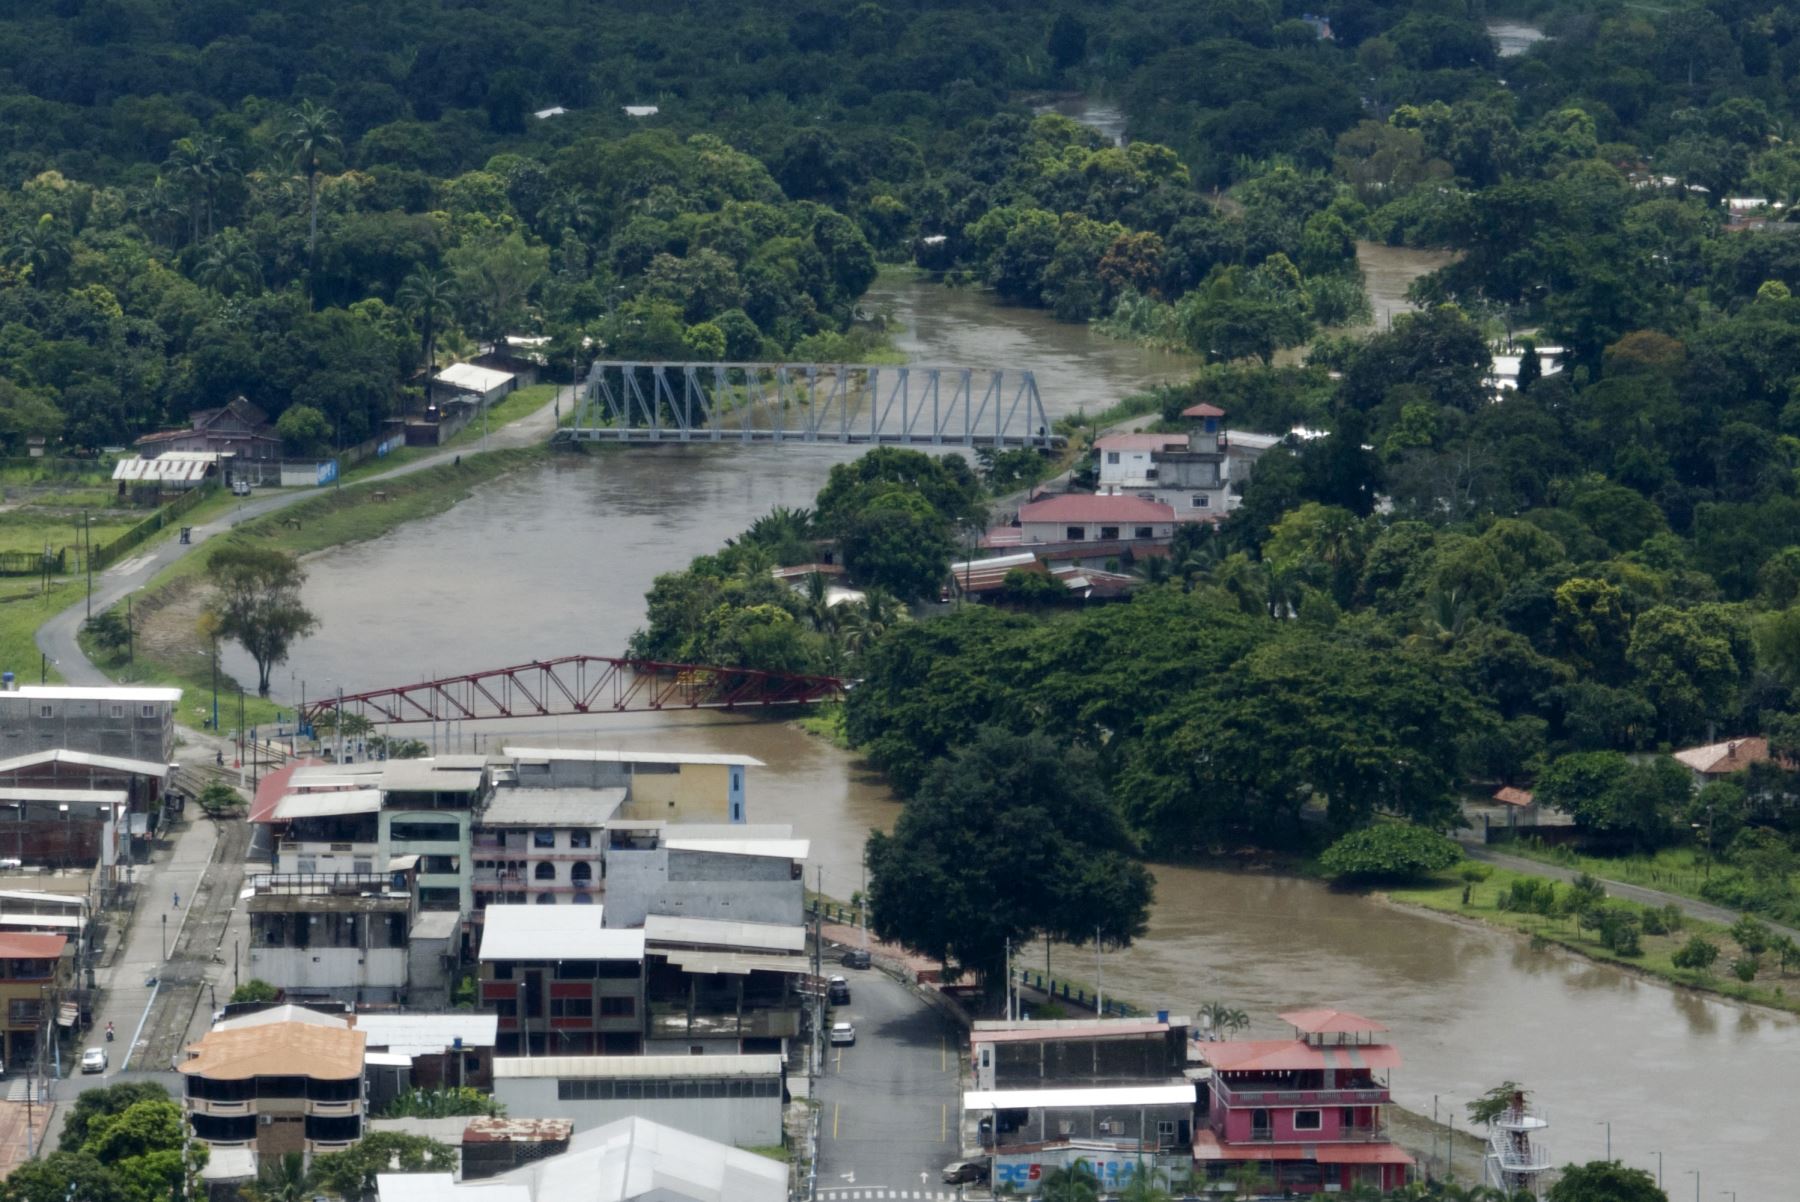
x=809, y=402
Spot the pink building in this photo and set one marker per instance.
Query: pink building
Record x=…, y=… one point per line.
x=1309, y=1112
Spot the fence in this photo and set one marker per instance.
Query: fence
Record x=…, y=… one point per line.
x=32, y=563
x=111, y=553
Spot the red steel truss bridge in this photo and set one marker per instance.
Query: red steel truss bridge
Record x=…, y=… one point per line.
x=580, y=684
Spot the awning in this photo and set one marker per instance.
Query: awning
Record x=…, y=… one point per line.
x=1061, y=1099
x=67, y=1014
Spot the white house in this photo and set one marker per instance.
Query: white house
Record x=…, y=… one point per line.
x=1128, y=461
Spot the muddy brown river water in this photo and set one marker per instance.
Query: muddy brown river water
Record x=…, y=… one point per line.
x=557, y=560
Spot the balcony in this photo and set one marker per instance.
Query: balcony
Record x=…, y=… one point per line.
x=669, y=1020
x=353, y=1106
x=1252, y=1095
x=208, y=1106
x=1534, y=1158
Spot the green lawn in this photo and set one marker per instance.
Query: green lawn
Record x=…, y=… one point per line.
x=521, y=402
x=1771, y=986
x=1682, y=871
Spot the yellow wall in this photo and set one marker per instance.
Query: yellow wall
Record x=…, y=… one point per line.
x=21, y=989
x=697, y=793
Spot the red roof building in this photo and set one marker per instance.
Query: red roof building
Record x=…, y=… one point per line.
x=1309, y=1111
x=1203, y=410
x=1083, y=518
x=31, y=980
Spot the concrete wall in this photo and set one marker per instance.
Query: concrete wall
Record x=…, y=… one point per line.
x=374, y=975
x=745, y=1122
x=700, y=885
x=695, y=793
x=103, y=727
x=459, y=846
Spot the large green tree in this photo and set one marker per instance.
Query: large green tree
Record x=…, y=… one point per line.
x=1010, y=838
x=257, y=603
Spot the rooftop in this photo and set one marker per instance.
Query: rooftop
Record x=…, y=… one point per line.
x=636, y=1158
x=1330, y=1022
x=331, y=1052
x=1052, y=1030
x=466, y=377
x=1286, y=1055
x=1169, y=1094
x=443, y=1187
x=287, y=1013
x=780, y=849
x=143, y=694
x=1208, y=1146
x=1085, y=507
x=327, y=803
x=1139, y=442
x=1203, y=410
x=1723, y=759
x=84, y=759
x=552, y=807
x=427, y=776
x=21, y=946
x=487, y=1129
x=712, y=932
x=596, y=756
x=427, y=1034
x=1510, y=796
x=640, y=1067
x=517, y=932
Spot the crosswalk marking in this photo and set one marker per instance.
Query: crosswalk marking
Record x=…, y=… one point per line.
x=129, y=566
x=876, y=1193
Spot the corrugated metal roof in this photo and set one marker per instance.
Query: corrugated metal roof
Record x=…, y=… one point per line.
x=85, y=759
x=1074, y=1099
x=67, y=796
x=710, y=962
x=515, y=932
x=494, y=1129
x=1086, y=507
x=1139, y=442
x=289, y=1049
x=1051, y=1032
x=780, y=849
x=469, y=378
x=104, y=692
x=636, y=1158
x=713, y=932
x=16, y=945
x=423, y=776
x=1327, y=1021
x=443, y=1187
x=436, y=924
x=513, y=806
x=636, y=1067
x=327, y=804
x=595, y=756
x=428, y=1034
x=1273, y=1055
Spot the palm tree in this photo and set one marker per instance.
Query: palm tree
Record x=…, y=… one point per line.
x=284, y=1179
x=427, y=296
x=819, y=610
x=41, y=249
x=311, y=130
x=230, y=263
x=1444, y=618
x=200, y=162
x=158, y=210
x=1224, y=1018
x=1075, y=1183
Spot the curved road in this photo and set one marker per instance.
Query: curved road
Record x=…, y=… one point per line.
x=56, y=637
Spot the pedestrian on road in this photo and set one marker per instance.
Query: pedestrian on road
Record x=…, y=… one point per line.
x=178, y=899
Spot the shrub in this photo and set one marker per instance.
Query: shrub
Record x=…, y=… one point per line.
x=254, y=990
x=1744, y=968
x=1696, y=954
x=1751, y=935
x=1618, y=931
x=1672, y=918
x=1653, y=924
x=1392, y=850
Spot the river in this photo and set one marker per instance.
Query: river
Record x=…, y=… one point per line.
x=557, y=560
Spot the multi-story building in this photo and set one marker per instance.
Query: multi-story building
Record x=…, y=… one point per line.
x=1111, y=1093
x=357, y=937
x=34, y=969
x=1190, y=473
x=124, y=722
x=667, y=786
x=1307, y=1113
x=700, y=870
x=428, y=809
x=715, y=987
x=275, y=1087
x=734, y=1099
x=543, y=845
x=561, y=982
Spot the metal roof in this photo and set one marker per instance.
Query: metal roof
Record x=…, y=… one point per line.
x=443, y=1187
x=1208, y=1146
x=85, y=759
x=780, y=849
x=1330, y=1022
x=285, y=1013
x=1078, y=1099
x=105, y=692
x=1084, y=507
x=48, y=793
x=436, y=924
x=1139, y=442
x=713, y=932
x=596, y=756
x=286, y=1049
x=636, y=1158
x=327, y=804
x=428, y=1034
x=424, y=776
x=20, y=946
x=552, y=807
x=516, y=932
x=467, y=377
x=638, y=1067
x=1280, y=1055
x=709, y=962
x=1051, y=1032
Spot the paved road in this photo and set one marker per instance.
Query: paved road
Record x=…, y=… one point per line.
x=891, y=1105
x=1704, y=911
x=56, y=637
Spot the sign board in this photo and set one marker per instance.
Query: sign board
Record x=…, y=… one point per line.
x=67, y=1013
x=327, y=471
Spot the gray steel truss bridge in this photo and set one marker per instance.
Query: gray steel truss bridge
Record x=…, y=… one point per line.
x=809, y=403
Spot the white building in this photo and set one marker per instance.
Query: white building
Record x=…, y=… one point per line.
x=1116, y=520
x=734, y=1099
x=1127, y=462
x=700, y=870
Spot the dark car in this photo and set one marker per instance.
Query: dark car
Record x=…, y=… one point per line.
x=965, y=1172
x=856, y=957
x=838, y=992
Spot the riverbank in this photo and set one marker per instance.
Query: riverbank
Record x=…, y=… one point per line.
x=170, y=648
x=1660, y=938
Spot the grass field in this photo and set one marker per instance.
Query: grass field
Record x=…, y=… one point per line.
x=1771, y=986
x=1679, y=870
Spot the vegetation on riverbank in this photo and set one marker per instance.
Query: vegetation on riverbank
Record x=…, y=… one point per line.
x=1662, y=936
x=172, y=650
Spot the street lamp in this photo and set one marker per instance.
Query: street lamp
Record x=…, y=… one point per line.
x=1695, y=1174
x=1607, y=1123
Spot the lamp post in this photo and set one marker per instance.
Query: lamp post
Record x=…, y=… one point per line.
x=87, y=558
x=165, y=936
x=1695, y=1174
x=1607, y=1123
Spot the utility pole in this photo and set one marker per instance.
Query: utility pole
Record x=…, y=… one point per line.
x=1099, y=988
x=87, y=557
x=816, y=1052
x=130, y=633
x=165, y=936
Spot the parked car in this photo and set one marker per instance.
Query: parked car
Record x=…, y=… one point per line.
x=965, y=1172
x=843, y=1034
x=856, y=957
x=838, y=992
x=93, y=1060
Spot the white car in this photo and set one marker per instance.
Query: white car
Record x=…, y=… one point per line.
x=843, y=1033
x=93, y=1060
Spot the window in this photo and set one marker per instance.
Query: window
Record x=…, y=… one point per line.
x=1142, y=532
x=46, y=711
x=149, y=711
x=1075, y=534
x=545, y=871
x=617, y=1007
x=546, y=899
x=424, y=832
x=1306, y=1120
x=581, y=839
x=503, y=972
x=572, y=1007
x=575, y=970
x=118, y=711
x=543, y=838
x=1149, y=473
x=1108, y=533
x=1112, y=456
x=22, y=1011
x=581, y=871
x=1201, y=500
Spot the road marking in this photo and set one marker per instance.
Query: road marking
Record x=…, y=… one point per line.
x=129, y=566
x=943, y=1121
x=837, y=1108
